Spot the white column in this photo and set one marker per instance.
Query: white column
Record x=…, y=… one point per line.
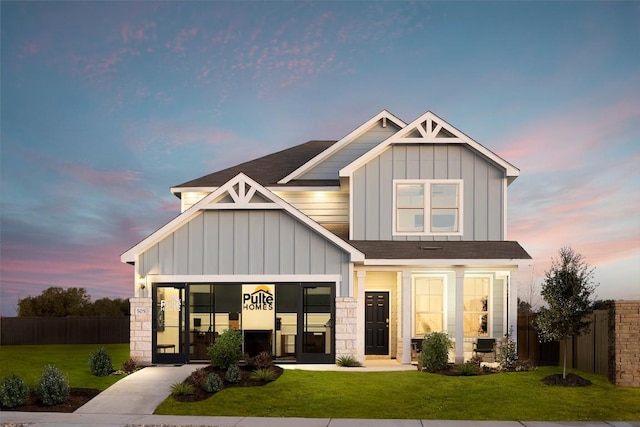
x=406, y=317
x=459, y=349
x=360, y=315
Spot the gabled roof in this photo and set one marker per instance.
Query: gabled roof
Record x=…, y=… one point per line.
x=383, y=116
x=240, y=192
x=431, y=129
x=268, y=170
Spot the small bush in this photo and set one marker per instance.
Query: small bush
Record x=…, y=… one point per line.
x=263, y=374
x=226, y=350
x=435, y=351
x=233, y=374
x=100, y=363
x=14, y=391
x=182, y=389
x=507, y=354
x=213, y=383
x=199, y=376
x=263, y=360
x=54, y=386
x=129, y=366
x=468, y=368
x=348, y=361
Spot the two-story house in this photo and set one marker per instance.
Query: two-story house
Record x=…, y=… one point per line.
x=331, y=248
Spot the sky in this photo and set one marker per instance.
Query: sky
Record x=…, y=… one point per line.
x=107, y=105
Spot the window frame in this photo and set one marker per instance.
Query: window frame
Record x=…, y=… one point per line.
x=427, y=222
x=489, y=306
x=414, y=311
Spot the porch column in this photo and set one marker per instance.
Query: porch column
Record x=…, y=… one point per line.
x=406, y=317
x=360, y=316
x=459, y=349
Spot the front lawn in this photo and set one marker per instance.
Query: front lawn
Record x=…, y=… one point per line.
x=418, y=395
x=28, y=361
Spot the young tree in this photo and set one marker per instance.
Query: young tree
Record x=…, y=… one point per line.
x=567, y=289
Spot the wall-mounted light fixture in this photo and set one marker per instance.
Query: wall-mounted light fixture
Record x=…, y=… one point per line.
x=142, y=282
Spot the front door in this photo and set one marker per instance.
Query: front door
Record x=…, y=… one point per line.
x=170, y=331
x=376, y=323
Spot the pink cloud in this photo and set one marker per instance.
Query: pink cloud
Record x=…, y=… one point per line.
x=143, y=32
x=177, y=45
x=568, y=140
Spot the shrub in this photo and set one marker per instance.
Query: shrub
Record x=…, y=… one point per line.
x=226, y=350
x=100, y=363
x=129, y=366
x=435, y=351
x=348, y=361
x=468, y=368
x=263, y=360
x=14, y=391
x=233, y=374
x=263, y=374
x=213, y=383
x=507, y=354
x=199, y=376
x=54, y=386
x=182, y=389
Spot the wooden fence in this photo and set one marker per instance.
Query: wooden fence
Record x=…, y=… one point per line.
x=589, y=352
x=64, y=330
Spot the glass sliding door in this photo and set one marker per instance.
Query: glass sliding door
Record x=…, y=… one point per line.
x=316, y=329
x=170, y=331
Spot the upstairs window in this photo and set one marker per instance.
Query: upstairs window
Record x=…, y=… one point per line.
x=428, y=207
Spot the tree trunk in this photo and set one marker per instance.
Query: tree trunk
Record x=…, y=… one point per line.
x=564, y=365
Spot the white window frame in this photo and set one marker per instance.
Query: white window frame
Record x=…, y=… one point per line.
x=442, y=277
x=426, y=223
x=489, y=305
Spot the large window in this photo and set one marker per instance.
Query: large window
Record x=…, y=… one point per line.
x=428, y=207
x=476, y=306
x=428, y=305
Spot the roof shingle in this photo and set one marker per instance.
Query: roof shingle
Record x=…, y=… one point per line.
x=268, y=170
x=387, y=249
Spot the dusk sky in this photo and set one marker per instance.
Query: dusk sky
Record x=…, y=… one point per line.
x=106, y=105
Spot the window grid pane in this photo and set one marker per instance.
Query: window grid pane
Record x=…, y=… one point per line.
x=476, y=307
x=429, y=306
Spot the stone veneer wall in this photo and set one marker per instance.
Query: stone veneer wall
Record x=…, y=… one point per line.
x=140, y=330
x=626, y=344
x=346, y=327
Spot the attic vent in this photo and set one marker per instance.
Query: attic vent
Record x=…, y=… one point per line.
x=430, y=248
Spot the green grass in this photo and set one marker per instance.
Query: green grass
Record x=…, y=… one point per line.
x=28, y=361
x=418, y=395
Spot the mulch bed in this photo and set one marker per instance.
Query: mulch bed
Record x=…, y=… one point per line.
x=77, y=398
x=245, y=381
x=571, y=380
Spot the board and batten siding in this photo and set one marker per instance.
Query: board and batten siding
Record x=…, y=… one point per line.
x=245, y=242
x=483, y=214
x=330, y=167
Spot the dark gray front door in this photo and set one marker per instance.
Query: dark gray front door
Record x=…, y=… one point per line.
x=376, y=323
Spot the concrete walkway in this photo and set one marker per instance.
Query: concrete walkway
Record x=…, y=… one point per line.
x=132, y=400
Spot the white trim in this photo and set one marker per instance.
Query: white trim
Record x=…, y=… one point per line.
x=398, y=138
x=209, y=202
x=499, y=264
x=489, y=303
x=180, y=190
x=232, y=278
x=445, y=297
x=504, y=210
x=427, y=183
x=284, y=189
x=359, y=131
